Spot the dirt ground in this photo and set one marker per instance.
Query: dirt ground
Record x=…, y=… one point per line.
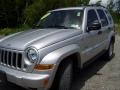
x=100, y=75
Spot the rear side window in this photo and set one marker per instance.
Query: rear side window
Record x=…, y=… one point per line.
x=92, y=17
x=103, y=17
x=109, y=17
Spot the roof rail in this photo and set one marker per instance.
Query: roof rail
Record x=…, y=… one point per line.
x=96, y=5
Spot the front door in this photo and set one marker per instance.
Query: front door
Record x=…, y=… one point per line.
x=91, y=38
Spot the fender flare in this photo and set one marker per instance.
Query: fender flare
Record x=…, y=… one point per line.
x=58, y=55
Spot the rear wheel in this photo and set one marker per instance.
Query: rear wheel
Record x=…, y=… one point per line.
x=64, y=76
x=110, y=52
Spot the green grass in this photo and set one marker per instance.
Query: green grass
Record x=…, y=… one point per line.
x=8, y=31
x=117, y=27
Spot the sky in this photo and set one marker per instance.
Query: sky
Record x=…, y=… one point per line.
x=103, y=2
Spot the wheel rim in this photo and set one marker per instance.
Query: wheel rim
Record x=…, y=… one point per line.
x=111, y=49
x=66, y=79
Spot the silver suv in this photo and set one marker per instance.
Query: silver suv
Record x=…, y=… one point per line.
x=47, y=56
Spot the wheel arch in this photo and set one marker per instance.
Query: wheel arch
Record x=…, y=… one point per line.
x=60, y=55
x=113, y=39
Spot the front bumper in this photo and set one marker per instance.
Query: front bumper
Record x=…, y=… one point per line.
x=26, y=80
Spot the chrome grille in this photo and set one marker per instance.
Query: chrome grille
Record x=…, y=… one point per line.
x=11, y=58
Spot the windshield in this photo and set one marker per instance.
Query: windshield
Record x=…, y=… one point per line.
x=64, y=19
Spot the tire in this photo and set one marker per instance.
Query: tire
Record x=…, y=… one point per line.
x=64, y=76
x=110, y=52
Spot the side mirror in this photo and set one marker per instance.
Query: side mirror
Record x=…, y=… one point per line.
x=94, y=26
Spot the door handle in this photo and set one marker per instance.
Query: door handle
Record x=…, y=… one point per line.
x=99, y=32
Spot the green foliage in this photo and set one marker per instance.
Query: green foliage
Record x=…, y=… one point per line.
x=14, y=13
x=18, y=12
x=33, y=12
x=117, y=28
x=10, y=12
x=115, y=14
x=98, y=2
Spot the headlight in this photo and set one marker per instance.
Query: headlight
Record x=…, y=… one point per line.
x=32, y=54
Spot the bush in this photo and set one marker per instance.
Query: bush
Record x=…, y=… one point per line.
x=33, y=12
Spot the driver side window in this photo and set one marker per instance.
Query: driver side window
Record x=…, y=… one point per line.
x=92, y=17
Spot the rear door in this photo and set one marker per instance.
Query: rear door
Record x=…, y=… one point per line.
x=105, y=29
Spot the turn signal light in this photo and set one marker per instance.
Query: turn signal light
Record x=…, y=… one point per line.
x=43, y=66
x=46, y=82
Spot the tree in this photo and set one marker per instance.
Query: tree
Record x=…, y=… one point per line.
x=98, y=2
x=118, y=11
x=33, y=12
x=17, y=12
x=11, y=12
x=118, y=6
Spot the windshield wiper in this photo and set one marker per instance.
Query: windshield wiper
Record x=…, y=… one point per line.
x=60, y=27
x=54, y=26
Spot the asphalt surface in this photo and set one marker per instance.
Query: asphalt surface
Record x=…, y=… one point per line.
x=100, y=75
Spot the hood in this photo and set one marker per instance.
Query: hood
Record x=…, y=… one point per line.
x=37, y=38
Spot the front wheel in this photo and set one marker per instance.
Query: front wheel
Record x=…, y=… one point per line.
x=64, y=76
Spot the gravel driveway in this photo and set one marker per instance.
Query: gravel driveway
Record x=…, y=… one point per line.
x=101, y=75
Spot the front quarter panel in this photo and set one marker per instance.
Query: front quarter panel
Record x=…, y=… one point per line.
x=58, y=55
